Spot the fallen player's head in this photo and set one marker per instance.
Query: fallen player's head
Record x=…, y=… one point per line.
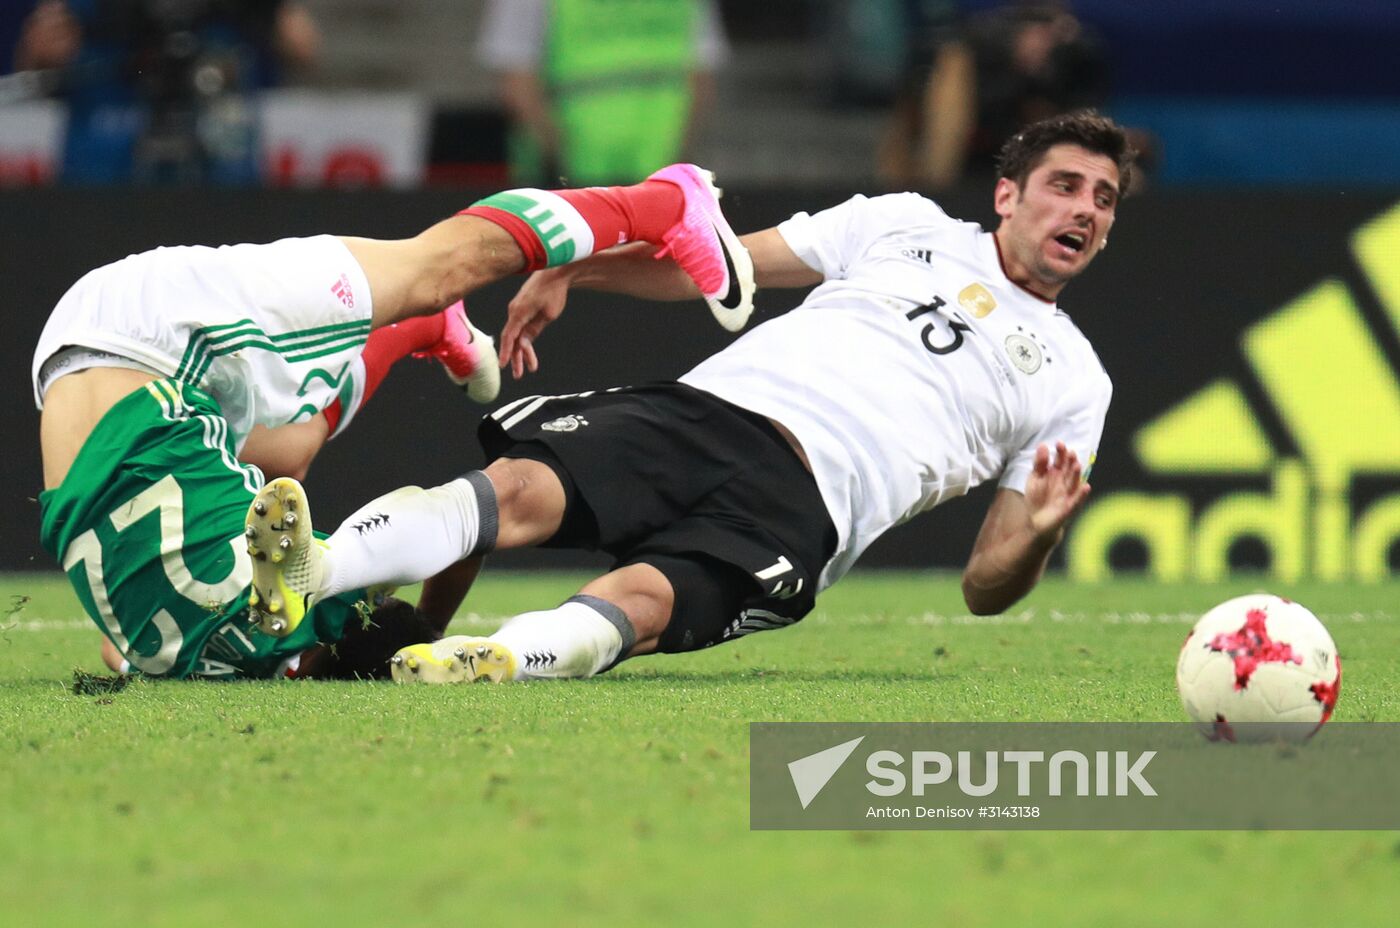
x=1057, y=196
x=363, y=652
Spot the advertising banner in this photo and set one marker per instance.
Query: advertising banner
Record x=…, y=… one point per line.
x=31, y=142
x=354, y=140
x=1281, y=443
x=1252, y=337
x=305, y=139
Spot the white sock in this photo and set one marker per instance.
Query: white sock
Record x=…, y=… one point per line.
x=410, y=534
x=584, y=636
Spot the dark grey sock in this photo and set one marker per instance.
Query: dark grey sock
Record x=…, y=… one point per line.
x=488, y=515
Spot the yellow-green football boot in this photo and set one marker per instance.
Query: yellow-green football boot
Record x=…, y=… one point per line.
x=455, y=659
x=286, y=557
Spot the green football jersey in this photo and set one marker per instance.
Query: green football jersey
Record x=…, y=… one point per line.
x=148, y=525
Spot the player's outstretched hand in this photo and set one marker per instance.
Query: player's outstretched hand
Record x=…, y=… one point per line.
x=1056, y=488
x=539, y=302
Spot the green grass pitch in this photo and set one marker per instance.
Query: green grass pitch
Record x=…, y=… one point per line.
x=624, y=800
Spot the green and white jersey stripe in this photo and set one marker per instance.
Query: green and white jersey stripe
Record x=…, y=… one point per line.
x=174, y=408
x=215, y=341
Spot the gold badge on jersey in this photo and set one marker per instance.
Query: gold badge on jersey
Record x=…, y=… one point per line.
x=977, y=300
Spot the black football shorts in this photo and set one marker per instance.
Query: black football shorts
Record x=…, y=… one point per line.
x=708, y=493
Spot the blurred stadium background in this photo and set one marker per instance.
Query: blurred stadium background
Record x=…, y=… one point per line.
x=1249, y=310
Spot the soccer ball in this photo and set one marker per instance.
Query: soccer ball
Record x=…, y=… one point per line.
x=1261, y=662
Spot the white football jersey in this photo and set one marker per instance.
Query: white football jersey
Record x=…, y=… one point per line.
x=916, y=371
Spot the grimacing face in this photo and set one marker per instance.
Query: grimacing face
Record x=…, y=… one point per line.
x=1053, y=227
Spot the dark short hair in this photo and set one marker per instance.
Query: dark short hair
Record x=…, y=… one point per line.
x=1088, y=129
x=364, y=650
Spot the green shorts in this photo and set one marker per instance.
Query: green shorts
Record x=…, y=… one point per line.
x=148, y=525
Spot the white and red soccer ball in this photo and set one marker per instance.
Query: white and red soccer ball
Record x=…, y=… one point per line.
x=1261, y=662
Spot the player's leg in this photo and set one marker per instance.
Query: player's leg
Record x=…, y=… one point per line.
x=615, y=616
x=719, y=527
x=636, y=460
x=524, y=230
x=410, y=533
x=466, y=354
x=658, y=602
x=402, y=537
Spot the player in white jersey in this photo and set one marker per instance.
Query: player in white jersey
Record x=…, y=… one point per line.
x=169, y=380
x=930, y=358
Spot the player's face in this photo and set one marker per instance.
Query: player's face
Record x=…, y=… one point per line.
x=1054, y=227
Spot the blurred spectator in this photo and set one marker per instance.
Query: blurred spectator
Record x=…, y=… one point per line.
x=972, y=88
x=931, y=40
x=49, y=37
x=12, y=17
x=159, y=90
x=601, y=90
x=871, y=45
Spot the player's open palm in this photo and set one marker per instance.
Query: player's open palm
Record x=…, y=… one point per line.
x=539, y=302
x=1056, y=488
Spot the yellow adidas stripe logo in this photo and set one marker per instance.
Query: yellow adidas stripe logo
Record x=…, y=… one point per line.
x=1339, y=399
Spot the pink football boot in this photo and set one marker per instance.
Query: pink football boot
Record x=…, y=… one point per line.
x=707, y=249
x=467, y=354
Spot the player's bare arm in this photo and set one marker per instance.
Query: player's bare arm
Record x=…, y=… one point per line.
x=288, y=450
x=1021, y=530
x=775, y=264
x=629, y=269
x=633, y=271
